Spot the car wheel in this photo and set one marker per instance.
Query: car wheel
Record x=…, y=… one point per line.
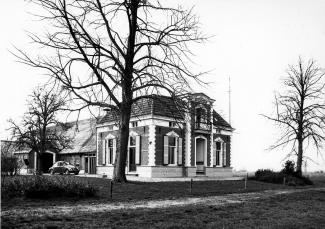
x=51, y=172
x=66, y=172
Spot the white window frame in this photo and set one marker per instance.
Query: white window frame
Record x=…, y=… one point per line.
x=219, y=140
x=172, y=124
x=177, y=148
x=174, y=147
x=107, y=138
x=137, y=147
x=134, y=124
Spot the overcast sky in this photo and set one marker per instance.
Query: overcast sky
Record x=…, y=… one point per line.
x=253, y=42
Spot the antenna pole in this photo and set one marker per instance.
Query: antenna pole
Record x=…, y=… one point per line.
x=229, y=105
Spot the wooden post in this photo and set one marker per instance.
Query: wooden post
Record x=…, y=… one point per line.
x=284, y=180
x=191, y=185
x=111, y=187
x=245, y=182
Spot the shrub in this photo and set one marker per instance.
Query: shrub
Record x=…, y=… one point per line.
x=267, y=175
x=10, y=165
x=289, y=167
x=45, y=187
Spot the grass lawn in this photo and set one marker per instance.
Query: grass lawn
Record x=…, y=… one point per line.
x=138, y=191
x=298, y=210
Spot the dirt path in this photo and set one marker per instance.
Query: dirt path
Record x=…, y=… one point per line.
x=207, y=201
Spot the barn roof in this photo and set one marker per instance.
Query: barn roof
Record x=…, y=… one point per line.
x=83, y=135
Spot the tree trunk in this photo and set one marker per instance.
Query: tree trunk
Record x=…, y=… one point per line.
x=299, y=157
x=120, y=163
x=39, y=164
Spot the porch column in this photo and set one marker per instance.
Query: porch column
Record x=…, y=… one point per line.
x=35, y=161
x=188, y=134
x=211, y=137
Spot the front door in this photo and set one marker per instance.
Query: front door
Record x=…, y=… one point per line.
x=132, y=165
x=200, y=154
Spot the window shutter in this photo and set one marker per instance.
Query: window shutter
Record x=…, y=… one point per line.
x=137, y=149
x=108, y=153
x=104, y=152
x=165, y=150
x=224, y=154
x=214, y=152
x=114, y=150
x=180, y=151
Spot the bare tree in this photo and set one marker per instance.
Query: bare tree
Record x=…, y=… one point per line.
x=300, y=111
x=39, y=129
x=10, y=165
x=111, y=54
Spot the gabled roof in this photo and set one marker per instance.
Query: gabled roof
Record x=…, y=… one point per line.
x=82, y=134
x=219, y=121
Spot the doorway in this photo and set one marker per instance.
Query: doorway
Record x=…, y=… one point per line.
x=90, y=164
x=47, y=162
x=200, y=152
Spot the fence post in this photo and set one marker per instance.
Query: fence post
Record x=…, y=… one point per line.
x=111, y=189
x=191, y=185
x=245, y=182
x=284, y=180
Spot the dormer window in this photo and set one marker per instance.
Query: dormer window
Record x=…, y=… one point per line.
x=201, y=115
x=172, y=124
x=134, y=124
x=201, y=118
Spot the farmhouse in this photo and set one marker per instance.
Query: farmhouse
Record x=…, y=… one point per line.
x=168, y=138
x=81, y=152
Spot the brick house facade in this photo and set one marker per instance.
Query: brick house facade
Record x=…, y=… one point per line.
x=166, y=141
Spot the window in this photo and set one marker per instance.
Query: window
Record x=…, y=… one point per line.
x=134, y=154
x=110, y=150
x=200, y=115
x=201, y=118
x=218, y=153
x=173, y=153
x=224, y=153
x=171, y=150
x=132, y=141
x=172, y=124
x=134, y=124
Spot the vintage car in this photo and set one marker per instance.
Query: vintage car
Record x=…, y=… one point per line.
x=63, y=167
